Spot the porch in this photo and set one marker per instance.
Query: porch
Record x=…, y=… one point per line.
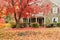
x=39, y=20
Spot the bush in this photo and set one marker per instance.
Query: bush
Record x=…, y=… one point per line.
x=53, y=25
x=7, y=25
x=2, y=25
x=25, y=24
x=50, y=25
x=18, y=26
x=35, y=25
x=13, y=24
x=22, y=25
x=58, y=24
x=8, y=18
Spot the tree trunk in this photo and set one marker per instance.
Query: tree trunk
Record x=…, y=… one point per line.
x=18, y=20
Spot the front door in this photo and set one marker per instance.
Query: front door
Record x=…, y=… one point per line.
x=40, y=20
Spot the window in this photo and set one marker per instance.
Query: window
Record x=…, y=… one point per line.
x=33, y=19
x=55, y=10
x=24, y=19
x=54, y=19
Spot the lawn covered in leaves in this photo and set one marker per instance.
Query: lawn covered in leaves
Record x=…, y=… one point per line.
x=30, y=34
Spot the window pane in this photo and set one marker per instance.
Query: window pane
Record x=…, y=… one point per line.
x=54, y=19
x=55, y=10
x=33, y=19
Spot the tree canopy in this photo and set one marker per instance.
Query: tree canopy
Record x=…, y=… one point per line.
x=6, y=7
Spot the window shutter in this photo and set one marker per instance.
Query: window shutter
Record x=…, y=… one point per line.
x=58, y=10
x=51, y=10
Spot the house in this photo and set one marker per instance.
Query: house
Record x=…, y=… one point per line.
x=51, y=17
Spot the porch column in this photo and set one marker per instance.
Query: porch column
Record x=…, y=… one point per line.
x=28, y=19
x=36, y=19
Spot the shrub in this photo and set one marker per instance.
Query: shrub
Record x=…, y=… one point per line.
x=2, y=25
x=50, y=25
x=12, y=23
x=25, y=24
x=35, y=25
x=22, y=25
x=18, y=26
x=58, y=24
x=7, y=25
x=8, y=18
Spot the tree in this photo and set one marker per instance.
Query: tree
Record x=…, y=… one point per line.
x=20, y=7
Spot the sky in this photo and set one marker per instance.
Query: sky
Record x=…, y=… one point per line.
x=57, y=2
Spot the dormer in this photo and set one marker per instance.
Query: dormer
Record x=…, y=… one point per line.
x=54, y=9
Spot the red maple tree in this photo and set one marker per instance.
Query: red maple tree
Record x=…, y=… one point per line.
x=20, y=8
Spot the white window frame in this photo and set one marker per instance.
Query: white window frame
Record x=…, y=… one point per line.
x=55, y=10
x=56, y=19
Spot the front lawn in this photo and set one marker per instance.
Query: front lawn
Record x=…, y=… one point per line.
x=30, y=34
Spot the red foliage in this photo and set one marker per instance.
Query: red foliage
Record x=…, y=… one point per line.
x=47, y=9
x=33, y=9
